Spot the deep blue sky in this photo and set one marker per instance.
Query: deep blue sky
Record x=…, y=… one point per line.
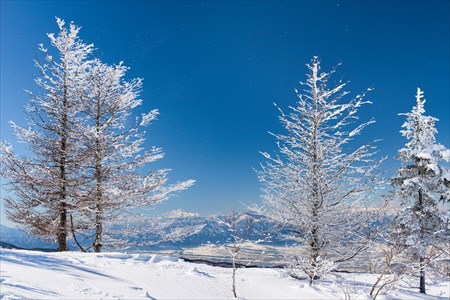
x=213, y=69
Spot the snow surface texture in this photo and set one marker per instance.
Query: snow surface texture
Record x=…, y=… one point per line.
x=75, y=275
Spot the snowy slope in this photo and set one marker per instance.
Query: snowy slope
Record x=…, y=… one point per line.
x=75, y=275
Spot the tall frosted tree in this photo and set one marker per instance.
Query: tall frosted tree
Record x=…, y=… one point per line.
x=88, y=161
x=318, y=180
x=116, y=159
x=421, y=181
x=43, y=184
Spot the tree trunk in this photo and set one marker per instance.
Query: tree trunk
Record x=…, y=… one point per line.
x=422, y=277
x=314, y=241
x=98, y=231
x=62, y=229
x=62, y=226
x=233, y=262
x=98, y=184
x=422, y=260
x=314, y=255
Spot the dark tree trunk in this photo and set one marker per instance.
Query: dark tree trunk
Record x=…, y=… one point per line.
x=62, y=227
x=234, y=277
x=422, y=260
x=98, y=185
x=422, y=278
x=62, y=230
x=98, y=231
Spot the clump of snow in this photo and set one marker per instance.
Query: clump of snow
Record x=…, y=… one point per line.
x=142, y=257
x=158, y=258
x=446, y=155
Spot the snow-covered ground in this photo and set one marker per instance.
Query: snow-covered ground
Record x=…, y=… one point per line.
x=75, y=275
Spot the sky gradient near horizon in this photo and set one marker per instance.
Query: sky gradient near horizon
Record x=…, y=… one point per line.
x=214, y=70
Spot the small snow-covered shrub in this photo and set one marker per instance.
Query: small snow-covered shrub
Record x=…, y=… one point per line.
x=303, y=268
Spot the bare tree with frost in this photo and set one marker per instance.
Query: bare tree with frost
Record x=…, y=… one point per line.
x=44, y=184
x=421, y=182
x=241, y=230
x=319, y=181
x=116, y=158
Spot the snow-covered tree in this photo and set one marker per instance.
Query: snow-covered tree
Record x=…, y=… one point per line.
x=115, y=152
x=421, y=182
x=89, y=162
x=44, y=184
x=319, y=181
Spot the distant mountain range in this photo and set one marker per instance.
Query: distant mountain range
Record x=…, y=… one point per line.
x=174, y=230
x=13, y=238
x=161, y=232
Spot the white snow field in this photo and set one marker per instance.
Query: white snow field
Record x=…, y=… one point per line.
x=76, y=275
